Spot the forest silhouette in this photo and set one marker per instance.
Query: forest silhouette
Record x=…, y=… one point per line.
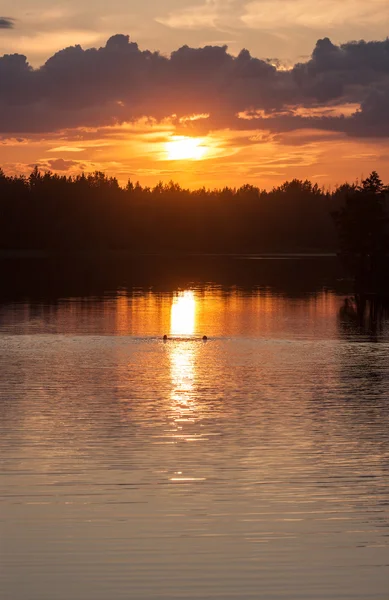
x=93, y=213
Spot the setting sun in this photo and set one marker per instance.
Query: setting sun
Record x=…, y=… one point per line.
x=185, y=148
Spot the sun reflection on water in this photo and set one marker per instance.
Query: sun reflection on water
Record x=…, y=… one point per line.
x=183, y=314
x=183, y=358
x=182, y=361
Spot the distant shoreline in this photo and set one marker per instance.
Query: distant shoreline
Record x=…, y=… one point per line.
x=112, y=254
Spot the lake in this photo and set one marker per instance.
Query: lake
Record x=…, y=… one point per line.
x=250, y=466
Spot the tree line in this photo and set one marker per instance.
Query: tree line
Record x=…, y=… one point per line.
x=92, y=212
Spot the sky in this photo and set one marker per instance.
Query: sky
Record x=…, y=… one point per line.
x=204, y=92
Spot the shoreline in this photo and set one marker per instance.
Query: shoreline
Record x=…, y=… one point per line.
x=111, y=254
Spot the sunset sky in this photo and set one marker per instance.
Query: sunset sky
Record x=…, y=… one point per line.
x=204, y=92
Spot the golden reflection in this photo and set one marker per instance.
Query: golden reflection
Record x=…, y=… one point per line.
x=183, y=360
x=183, y=314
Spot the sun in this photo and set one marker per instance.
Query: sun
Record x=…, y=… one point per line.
x=185, y=148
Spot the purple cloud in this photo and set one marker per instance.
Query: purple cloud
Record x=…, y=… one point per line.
x=119, y=82
x=6, y=23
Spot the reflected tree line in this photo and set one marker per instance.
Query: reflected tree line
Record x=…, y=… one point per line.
x=363, y=313
x=58, y=277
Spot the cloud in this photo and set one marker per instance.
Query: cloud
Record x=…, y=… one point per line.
x=192, y=17
x=59, y=164
x=340, y=88
x=279, y=14
x=67, y=149
x=6, y=23
x=211, y=14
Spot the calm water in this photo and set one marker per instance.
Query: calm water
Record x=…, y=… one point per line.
x=254, y=465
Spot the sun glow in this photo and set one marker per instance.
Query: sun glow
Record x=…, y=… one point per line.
x=185, y=148
x=183, y=315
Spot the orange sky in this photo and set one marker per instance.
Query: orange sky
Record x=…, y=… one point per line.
x=150, y=152
x=322, y=124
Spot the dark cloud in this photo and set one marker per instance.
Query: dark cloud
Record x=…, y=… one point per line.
x=59, y=164
x=6, y=23
x=119, y=82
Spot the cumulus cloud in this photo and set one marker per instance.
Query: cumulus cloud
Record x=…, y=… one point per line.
x=120, y=83
x=6, y=23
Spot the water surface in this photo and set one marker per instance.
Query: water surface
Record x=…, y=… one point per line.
x=254, y=465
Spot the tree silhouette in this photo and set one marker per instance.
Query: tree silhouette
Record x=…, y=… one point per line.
x=91, y=212
x=372, y=184
x=362, y=224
